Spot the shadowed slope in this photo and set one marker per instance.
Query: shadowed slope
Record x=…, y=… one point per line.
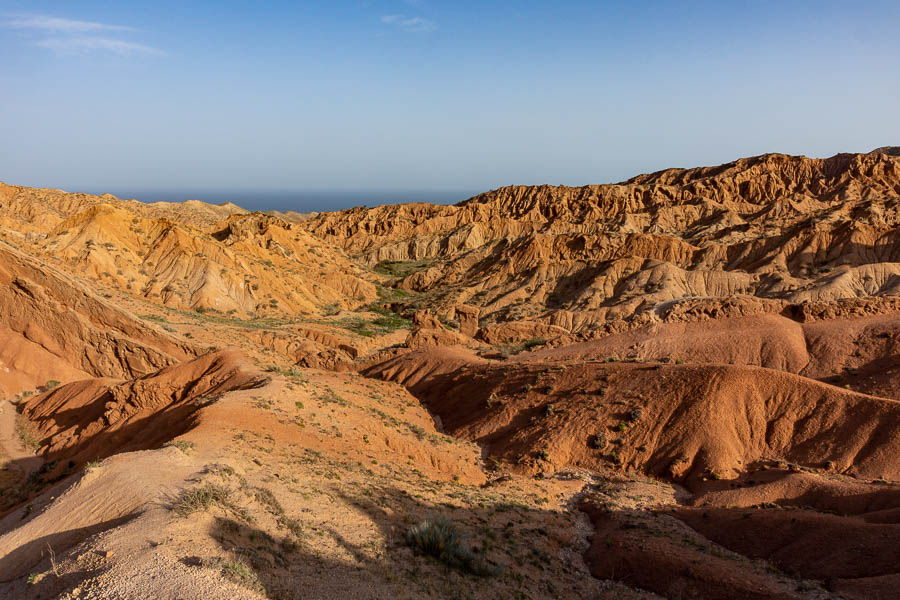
x=675, y=421
x=93, y=419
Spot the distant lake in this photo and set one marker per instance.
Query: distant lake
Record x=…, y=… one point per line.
x=300, y=201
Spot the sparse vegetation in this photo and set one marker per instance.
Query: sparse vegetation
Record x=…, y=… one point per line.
x=353, y=453
x=241, y=573
x=387, y=323
x=234, y=568
x=51, y=384
x=27, y=434
x=439, y=538
x=599, y=441
x=205, y=496
x=401, y=269
x=182, y=445
x=535, y=342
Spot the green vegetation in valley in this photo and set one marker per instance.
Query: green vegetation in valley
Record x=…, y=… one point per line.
x=398, y=268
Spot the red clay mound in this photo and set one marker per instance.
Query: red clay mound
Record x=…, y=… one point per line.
x=519, y=331
x=421, y=368
x=820, y=546
x=862, y=351
x=651, y=553
x=765, y=340
x=768, y=483
x=682, y=422
x=93, y=419
x=53, y=328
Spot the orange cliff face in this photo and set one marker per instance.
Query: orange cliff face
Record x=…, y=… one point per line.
x=56, y=328
x=185, y=256
x=775, y=227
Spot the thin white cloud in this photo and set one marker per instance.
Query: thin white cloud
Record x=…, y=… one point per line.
x=70, y=46
x=68, y=37
x=58, y=25
x=409, y=24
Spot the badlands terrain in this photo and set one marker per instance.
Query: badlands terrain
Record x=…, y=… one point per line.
x=685, y=385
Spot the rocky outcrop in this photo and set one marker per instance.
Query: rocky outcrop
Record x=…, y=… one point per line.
x=309, y=348
x=428, y=331
x=775, y=227
x=468, y=319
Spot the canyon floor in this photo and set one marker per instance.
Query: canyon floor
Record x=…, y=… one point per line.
x=684, y=385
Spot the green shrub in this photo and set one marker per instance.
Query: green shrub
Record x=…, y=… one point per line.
x=202, y=498
x=182, y=445
x=241, y=573
x=439, y=538
x=534, y=342
x=400, y=268
x=27, y=433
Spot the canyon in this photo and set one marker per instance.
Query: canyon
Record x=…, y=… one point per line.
x=683, y=385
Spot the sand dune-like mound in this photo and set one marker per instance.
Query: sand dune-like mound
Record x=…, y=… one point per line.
x=314, y=468
x=93, y=419
x=861, y=352
x=99, y=500
x=90, y=420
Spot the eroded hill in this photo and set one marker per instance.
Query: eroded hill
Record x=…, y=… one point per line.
x=188, y=256
x=776, y=227
x=678, y=386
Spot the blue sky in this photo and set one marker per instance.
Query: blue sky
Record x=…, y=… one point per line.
x=428, y=95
